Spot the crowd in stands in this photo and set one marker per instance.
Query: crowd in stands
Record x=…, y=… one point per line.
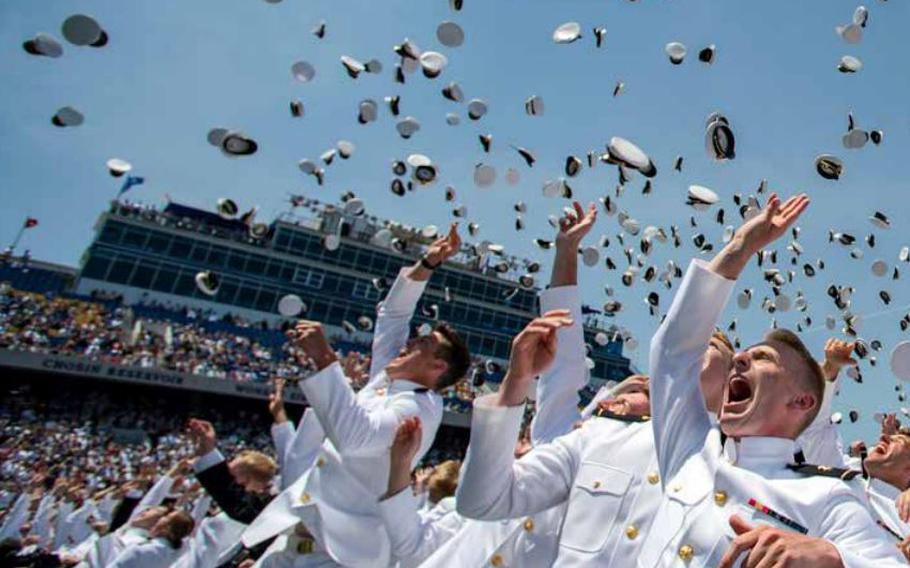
x=166, y=336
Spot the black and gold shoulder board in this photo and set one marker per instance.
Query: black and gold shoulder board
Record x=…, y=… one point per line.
x=603, y=413
x=824, y=470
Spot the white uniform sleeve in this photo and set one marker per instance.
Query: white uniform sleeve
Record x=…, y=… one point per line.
x=679, y=417
x=154, y=496
x=821, y=441
x=17, y=517
x=860, y=542
x=494, y=485
x=41, y=526
x=415, y=537
x=138, y=556
x=390, y=333
x=303, y=448
x=282, y=434
x=557, y=389
x=352, y=428
x=200, y=510
x=208, y=460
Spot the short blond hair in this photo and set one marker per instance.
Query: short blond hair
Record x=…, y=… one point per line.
x=443, y=481
x=257, y=465
x=814, y=380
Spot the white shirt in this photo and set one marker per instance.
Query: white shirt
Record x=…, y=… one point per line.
x=694, y=471
x=156, y=553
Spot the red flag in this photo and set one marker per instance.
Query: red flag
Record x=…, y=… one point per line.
x=30, y=222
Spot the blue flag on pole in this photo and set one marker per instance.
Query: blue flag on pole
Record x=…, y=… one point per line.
x=129, y=182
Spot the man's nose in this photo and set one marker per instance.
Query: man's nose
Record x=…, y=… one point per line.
x=742, y=361
x=884, y=438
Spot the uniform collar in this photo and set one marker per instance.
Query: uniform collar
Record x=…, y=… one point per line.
x=404, y=385
x=763, y=452
x=882, y=488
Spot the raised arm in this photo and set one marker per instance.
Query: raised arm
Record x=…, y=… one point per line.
x=395, y=312
x=352, y=428
x=493, y=484
x=414, y=537
x=557, y=389
x=282, y=428
x=680, y=419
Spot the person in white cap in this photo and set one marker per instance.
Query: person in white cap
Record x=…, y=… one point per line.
x=330, y=514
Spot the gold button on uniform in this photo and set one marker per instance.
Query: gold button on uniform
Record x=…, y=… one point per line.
x=631, y=532
x=596, y=485
x=720, y=498
x=529, y=525
x=320, y=462
x=306, y=546
x=305, y=498
x=653, y=478
x=496, y=560
x=686, y=553
x=677, y=488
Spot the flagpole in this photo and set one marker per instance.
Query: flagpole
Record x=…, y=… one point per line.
x=15, y=243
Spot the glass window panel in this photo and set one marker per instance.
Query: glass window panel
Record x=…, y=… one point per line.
x=217, y=256
x=186, y=284
x=266, y=300
x=158, y=243
x=142, y=276
x=247, y=296
x=227, y=291
x=274, y=269
x=255, y=265
x=97, y=266
x=200, y=252
x=180, y=248
x=111, y=233
x=164, y=280
x=135, y=237
x=237, y=261
x=121, y=270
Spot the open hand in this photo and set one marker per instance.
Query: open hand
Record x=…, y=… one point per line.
x=773, y=221
x=444, y=248
x=574, y=227
x=309, y=337
x=276, y=402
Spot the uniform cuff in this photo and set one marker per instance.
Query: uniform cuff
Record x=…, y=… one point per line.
x=208, y=460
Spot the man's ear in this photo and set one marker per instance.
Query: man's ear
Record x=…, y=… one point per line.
x=804, y=401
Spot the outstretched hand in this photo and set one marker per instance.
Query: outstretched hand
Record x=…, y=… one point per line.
x=773, y=221
x=444, y=248
x=837, y=355
x=202, y=433
x=575, y=226
x=533, y=351
x=758, y=232
x=276, y=402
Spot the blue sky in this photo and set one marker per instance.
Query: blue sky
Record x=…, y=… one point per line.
x=173, y=70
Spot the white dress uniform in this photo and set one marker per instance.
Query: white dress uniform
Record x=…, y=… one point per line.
x=155, y=553
x=108, y=547
x=822, y=444
x=41, y=524
x=16, y=517
x=336, y=499
x=208, y=546
x=530, y=541
x=704, y=488
x=298, y=448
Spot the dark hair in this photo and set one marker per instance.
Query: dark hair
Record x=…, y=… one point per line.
x=454, y=351
x=179, y=526
x=814, y=380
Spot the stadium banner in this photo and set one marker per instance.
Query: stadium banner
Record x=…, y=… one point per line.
x=82, y=367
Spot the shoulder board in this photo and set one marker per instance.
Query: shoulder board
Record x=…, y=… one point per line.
x=421, y=390
x=824, y=470
x=602, y=413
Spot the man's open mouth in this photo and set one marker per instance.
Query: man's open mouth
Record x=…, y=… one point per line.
x=739, y=395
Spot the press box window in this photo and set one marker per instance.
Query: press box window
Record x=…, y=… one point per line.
x=365, y=290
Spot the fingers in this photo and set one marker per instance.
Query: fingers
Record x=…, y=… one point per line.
x=579, y=211
x=743, y=543
x=739, y=525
